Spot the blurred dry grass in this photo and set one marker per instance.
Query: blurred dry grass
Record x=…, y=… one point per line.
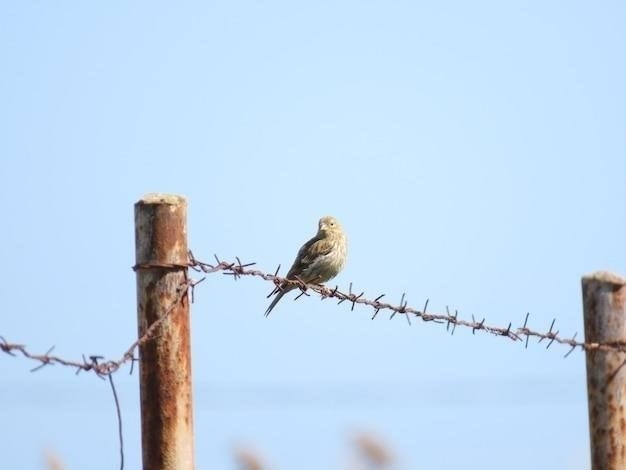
x=373, y=451
x=53, y=461
x=369, y=452
x=249, y=459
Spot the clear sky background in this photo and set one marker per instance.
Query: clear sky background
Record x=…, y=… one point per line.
x=475, y=153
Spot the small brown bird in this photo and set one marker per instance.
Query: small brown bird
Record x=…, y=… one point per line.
x=319, y=260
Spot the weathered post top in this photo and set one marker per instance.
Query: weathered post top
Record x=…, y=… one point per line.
x=164, y=218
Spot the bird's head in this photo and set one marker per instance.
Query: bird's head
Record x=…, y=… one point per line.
x=328, y=224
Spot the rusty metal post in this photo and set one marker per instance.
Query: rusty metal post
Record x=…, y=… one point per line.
x=165, y=360
x=604, y=305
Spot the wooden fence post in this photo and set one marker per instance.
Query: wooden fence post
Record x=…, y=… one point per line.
x=604, y=305
x=165, y=359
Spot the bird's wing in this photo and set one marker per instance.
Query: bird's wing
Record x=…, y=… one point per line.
x=310, y=251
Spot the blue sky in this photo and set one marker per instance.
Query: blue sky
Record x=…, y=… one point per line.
x=474, y=152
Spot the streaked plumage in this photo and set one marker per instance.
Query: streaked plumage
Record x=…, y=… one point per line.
x=319, y=260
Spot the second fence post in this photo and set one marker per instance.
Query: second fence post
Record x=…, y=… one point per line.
x=165, y=358
x=604, y=306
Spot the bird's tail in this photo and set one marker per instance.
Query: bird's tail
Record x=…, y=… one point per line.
x=279, y=296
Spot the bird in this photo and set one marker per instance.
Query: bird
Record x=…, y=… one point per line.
x=318, y=260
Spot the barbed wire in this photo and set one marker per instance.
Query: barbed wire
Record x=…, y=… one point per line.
x=106, y=368
x=96, y=363
x=103, y=368
x=452, y=321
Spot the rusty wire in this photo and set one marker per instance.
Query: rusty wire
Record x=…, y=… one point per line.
x=95, y=363
x=238, y=269
x=522, y=333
